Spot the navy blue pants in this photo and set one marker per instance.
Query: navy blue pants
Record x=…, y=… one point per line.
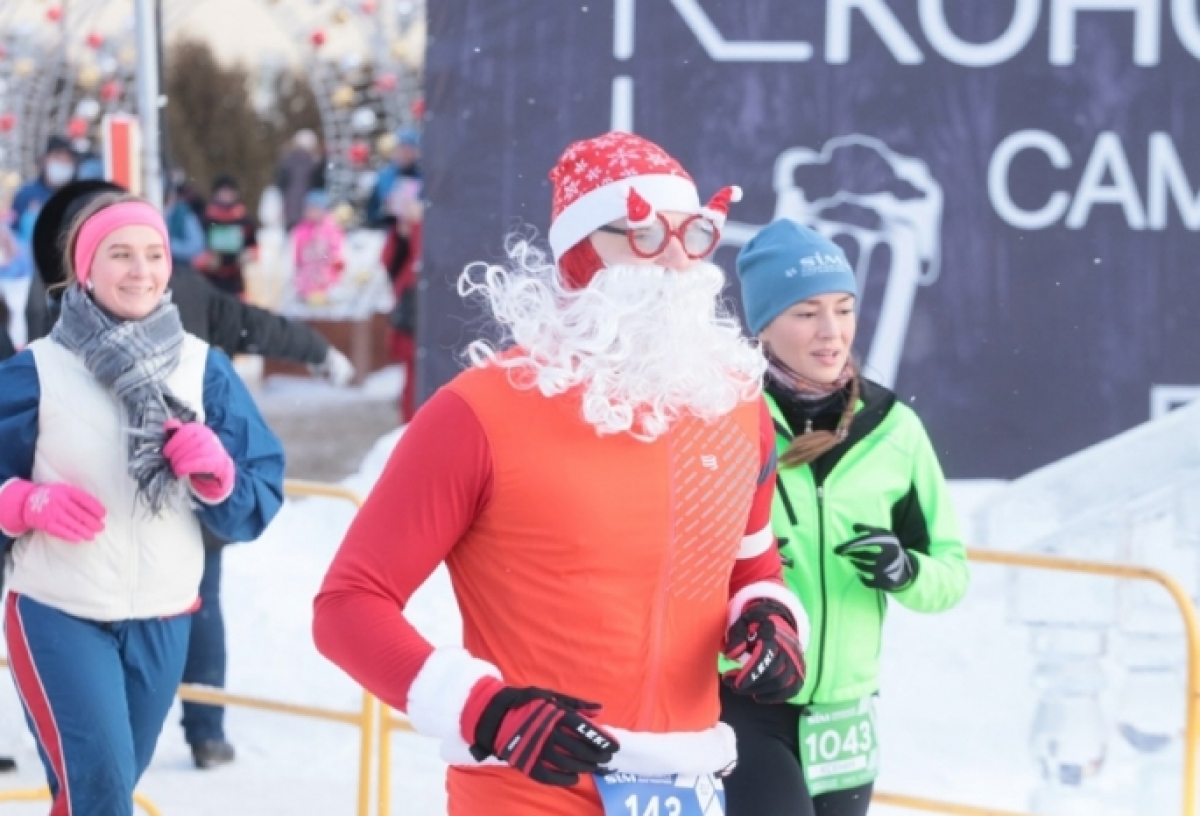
x=206, y=655
x=95, y=696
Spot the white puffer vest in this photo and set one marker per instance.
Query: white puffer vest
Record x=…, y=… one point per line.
x=140, y=566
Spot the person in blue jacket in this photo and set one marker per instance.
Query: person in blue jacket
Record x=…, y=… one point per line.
x=405, y=164
x=120, y=435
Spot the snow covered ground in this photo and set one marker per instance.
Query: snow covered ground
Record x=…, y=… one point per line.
x=955, y=711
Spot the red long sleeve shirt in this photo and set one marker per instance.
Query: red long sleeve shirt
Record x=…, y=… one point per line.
x=436, y=483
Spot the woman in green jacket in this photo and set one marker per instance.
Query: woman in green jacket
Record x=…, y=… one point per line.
x=862, y=517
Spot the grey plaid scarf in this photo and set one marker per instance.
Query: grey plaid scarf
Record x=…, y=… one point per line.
x=132, y=359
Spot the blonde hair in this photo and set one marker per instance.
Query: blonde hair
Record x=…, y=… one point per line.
x=100, y=202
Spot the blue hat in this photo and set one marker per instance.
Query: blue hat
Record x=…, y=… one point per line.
x=317, y=198
x=786, y=263
x=409, y=137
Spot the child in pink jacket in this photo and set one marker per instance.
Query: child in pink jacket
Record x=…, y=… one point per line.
x=319, y=240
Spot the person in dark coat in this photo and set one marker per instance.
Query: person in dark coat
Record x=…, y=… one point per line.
x=299, y=171
x=224, y=322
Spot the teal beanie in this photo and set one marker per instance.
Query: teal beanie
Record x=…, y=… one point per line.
x=786, y=263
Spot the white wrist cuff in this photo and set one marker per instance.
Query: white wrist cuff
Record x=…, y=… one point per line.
x=643, y=753
x=776, y=592
x=440, y=691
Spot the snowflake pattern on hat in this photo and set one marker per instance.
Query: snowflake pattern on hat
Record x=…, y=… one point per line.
x=593, y=163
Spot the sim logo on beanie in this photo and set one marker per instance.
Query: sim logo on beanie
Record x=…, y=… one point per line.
x=819, y=263
x=786, y=263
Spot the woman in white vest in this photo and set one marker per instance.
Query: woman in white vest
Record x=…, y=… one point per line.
x=120, y=435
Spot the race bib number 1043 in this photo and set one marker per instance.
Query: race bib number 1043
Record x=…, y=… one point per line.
x=838, y=747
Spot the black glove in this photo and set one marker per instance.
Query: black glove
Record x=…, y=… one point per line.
x=544, y=735
x=766, y=635
x=880, y=558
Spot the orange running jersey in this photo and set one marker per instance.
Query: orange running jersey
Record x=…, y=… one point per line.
x=600, y=568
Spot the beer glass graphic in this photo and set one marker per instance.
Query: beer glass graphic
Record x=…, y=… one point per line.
x=909, y=226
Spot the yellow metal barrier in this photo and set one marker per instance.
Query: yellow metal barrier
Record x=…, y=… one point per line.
x=1191, y=623
x=43, y=795
x=934, y=806
x=365, y=719
x=388, y=722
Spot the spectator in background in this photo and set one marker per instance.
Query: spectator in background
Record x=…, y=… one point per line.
x=300, y=170
x=58, y=170
x=319, y=241
x=16, y=277
x=187, y=233
x=402, y=260
x=190, y=194
x=405, y=163
x=231, y=237
x=91, y=166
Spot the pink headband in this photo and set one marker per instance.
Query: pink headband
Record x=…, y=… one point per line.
x=109, y=220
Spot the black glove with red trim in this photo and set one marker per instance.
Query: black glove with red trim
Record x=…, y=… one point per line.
x=765, y=635
x=544, y=735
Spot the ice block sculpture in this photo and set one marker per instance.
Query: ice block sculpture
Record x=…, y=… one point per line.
x=1134, y=498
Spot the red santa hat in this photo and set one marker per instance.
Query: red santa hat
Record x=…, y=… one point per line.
x=620, y=175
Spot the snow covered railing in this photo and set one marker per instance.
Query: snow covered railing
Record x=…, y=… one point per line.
x=1191, y=623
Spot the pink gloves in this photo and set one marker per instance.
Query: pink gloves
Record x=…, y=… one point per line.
x=59, y=509
x=195, y=452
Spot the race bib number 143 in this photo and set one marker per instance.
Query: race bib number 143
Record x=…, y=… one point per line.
x=630, y=795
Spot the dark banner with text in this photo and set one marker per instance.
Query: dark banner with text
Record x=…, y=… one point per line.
x=1016, y=181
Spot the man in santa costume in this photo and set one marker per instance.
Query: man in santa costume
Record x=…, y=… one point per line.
x=600, y=491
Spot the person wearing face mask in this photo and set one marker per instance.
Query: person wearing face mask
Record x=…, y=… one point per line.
x=58, y=170
x=600, y=492
x=863, y=519
x=120, y=435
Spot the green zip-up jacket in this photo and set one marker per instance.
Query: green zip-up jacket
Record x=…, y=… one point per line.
x=885, y=474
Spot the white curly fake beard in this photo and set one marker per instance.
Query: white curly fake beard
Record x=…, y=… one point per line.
x=643, y=345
